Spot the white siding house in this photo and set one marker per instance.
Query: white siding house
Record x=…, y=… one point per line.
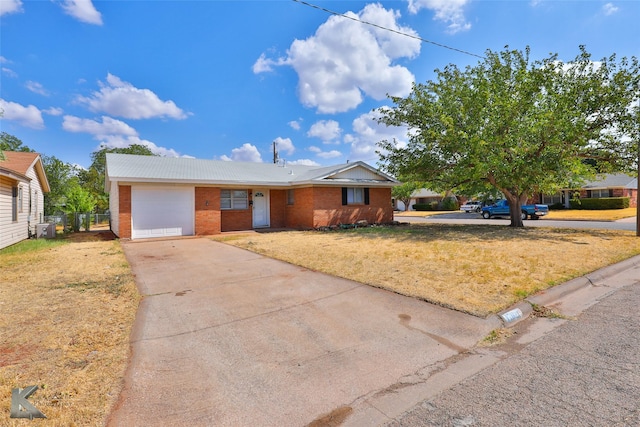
x=22, y=186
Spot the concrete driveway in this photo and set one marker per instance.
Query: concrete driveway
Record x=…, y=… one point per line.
x=227, y=337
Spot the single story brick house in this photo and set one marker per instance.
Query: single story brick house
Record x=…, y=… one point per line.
x=606, y=185
x=170, y=196
x=23, y=183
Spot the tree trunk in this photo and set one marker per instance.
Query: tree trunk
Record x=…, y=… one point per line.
x=515, y=210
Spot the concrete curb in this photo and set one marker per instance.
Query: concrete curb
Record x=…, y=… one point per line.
x=511, y=316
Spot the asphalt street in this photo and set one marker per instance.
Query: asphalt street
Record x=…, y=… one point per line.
x=585, y=372
x=628, y=224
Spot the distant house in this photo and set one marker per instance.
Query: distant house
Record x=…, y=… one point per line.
x=167, y=196
x=422, y=196
x=23, y=183
x=606, y=185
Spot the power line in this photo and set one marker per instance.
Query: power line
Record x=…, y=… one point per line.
x=388, y=29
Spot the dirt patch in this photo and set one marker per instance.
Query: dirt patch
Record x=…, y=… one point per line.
x=67, y=306
x=332, y=419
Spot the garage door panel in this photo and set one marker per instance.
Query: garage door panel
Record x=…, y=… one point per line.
x=162, y=211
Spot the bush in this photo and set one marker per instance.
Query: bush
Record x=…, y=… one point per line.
x=601, y=204
x=433, y=206
x=450, y=204
x=556, y=206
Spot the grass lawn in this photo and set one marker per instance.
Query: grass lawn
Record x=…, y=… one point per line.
x=565, y=214
x=67, y=306
x=472, y=268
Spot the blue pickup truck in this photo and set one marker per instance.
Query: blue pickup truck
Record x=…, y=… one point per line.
x=501, y=208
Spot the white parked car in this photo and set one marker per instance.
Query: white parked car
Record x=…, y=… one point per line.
x=471, y=206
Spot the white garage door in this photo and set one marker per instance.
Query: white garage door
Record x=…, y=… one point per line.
x=161, y=211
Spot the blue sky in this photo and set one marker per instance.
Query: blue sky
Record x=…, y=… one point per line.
x=225, y=79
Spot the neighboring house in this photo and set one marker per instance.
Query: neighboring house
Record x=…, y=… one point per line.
x=606, y=185
x=168, y=196
x=422, y=196
x=22, y=186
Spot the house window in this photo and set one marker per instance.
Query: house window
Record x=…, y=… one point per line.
x=290, y=197
x=234, y=199
x=355, y=196
x=20, y=199
x=14, y=204
x=598, y=194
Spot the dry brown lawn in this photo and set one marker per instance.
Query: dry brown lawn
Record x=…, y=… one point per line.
x=475, y=269
x=592, y=215
x=67, y=311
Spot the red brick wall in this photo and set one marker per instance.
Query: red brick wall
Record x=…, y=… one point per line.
x=300, y=214
x=277, y=206
x=330, y=211
x=207, y=207
x=124, y=214
x=236, y=220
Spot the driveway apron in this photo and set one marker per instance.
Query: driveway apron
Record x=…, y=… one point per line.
x=227, y=337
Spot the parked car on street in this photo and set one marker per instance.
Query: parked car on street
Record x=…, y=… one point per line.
x=501, y=208
x=472, y=206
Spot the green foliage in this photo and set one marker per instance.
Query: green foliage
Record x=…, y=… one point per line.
x=519, y=126
x=405, y=191
x=79, y=199
x=601, y=203
x=450, y=204
x=61, y=177
x=433, y=206
x=11, y=143
x=93, y=178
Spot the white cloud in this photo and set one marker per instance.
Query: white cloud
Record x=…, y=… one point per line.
x=609, y=9
x=8, y=71
x=29, y=116
x=122, y=99
x=82, y=10
x=324, y=154
x=246, y=153
x=345, y=59
x=4, y=60
x=284, y=145
x=367, y=132
x=120, y=141
x=53, y=111
x=449, y=11
x=327, y=130
x=304, y=162
x=10, y=6
x=36, y=87
x=295, y=124
x=108, y=126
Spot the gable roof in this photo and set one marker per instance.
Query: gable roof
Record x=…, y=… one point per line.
x=611, y=180
x=18, y=163
x=136, y=168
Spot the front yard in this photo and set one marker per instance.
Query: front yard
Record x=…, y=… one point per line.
x=475, y=269
x=67, y=306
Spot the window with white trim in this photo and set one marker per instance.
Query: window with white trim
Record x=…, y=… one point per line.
x=20, y=200
x=234, y=199
x=599, y=194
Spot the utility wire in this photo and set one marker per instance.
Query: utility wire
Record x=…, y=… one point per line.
x=388, y=29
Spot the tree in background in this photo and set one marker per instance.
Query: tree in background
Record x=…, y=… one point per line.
x=404, y=192
x=78, y=201
x=61, y=176
x=518, y=126
x=92, y=179
x=11, y=143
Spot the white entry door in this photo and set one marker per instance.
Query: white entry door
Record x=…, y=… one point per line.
x=260, y=208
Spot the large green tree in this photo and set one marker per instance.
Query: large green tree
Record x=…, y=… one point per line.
x=516, y=125
x=92, y=179
x=61, y=177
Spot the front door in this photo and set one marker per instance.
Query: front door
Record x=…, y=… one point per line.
x=260, y=208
